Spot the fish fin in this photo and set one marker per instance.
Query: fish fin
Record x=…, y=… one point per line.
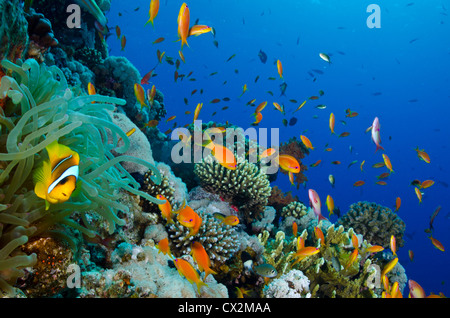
x=209, y=271
x=181, y=208
x=321, y=217
x=378, y=148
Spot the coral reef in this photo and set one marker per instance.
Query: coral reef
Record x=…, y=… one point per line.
x=293, y=284
x=245, y=187
x=295, y=209
x=375, y=222
x=279, y=200
x=41, y=109
x=220, y=241
x=142, y=272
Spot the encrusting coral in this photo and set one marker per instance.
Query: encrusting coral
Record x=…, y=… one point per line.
x=375, y=222
x=40, y=108
x=245, y=187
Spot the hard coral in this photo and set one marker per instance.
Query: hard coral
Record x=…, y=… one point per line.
x=245, y=187
x=40, y=34
x=375, y=222
x=278, y=199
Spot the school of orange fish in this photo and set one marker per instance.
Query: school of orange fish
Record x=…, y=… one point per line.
x=190, y=219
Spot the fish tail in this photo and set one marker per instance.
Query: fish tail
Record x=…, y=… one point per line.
x=378, y=148
x=321, y=217
x=209, y=271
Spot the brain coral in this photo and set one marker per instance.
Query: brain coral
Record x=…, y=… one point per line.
x=246, y=186
x=375, y=222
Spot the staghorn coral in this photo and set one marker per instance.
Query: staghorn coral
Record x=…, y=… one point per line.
x=43, y=109
x=375, y=222
x=327, y=276
x=245, y=187
x=220, y=241
x=297, y=149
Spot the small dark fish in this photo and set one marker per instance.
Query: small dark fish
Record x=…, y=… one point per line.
x=256, y=78
x=317, y=71
x=410, y=4
x=341, y=53
x=216, y=44
x=262, y=56
x=285, y=122
x=435, y=213
x=283, y=87
x=293, y=101
x=376, y=94
x=231, y=57
x=226, y=99
x=185, y=100
x=292, y=121
x=413, y=40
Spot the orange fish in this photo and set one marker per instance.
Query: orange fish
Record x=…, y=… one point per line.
x=423, y=155
x=118, y=31
x=158, y=40
x=411, y=255
x=336, y=162
x=153, y=11
x=344, y=134
x=415, y=290
x=223, y=155
x=228, y=220
x=299, y=107
x=362, y=164
x=358, y=183
x=163, y=247
x=185, y=269
x=200, y=256
x=419, y=194
x=190, y=219
x=305, y=252
x=291, y=178
x=183, y=24
x=426, y=184
x=315, y=164
x=91, y=89
x=387, y=162
x=165, y=208
x=378, y=165
x=375, y=249
x=182, y=58
x=352, y=258
x=171, y=118
x=278, y=107
x=197, y=111
x=398, y=203
x=260, y=107
x=199, y=29
x=330, y=204
x=258, y=118
x=319, y=235
x=123, y=42
x=140, y=94
x=332, y=120
x=289, y=163
x=393, y=245
x=294, y=228
x=355, y=241
x=280, y=68
x=383, y=183
x=437, y=244
x=267, y=153
x=388, y=267
x=151, y=95
x=146, y=78
x=306, y=142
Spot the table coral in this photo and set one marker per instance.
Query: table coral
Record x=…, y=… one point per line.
x=375, y=222
x=245, y=187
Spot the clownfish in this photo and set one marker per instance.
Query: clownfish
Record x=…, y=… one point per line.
x=56, y=178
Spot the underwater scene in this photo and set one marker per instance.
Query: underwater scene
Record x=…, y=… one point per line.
x=224, y=149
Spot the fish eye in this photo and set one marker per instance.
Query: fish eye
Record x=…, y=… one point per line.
x=63, y=181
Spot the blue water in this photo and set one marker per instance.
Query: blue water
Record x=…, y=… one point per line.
x=398, y=73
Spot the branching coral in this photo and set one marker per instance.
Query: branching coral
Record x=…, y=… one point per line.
x=328, y=278
x=220, y=241
x=41, y=109
x=375, y=222
x=246, y=186
x=279, y=200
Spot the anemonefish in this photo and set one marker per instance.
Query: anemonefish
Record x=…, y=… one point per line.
x=56, y=179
